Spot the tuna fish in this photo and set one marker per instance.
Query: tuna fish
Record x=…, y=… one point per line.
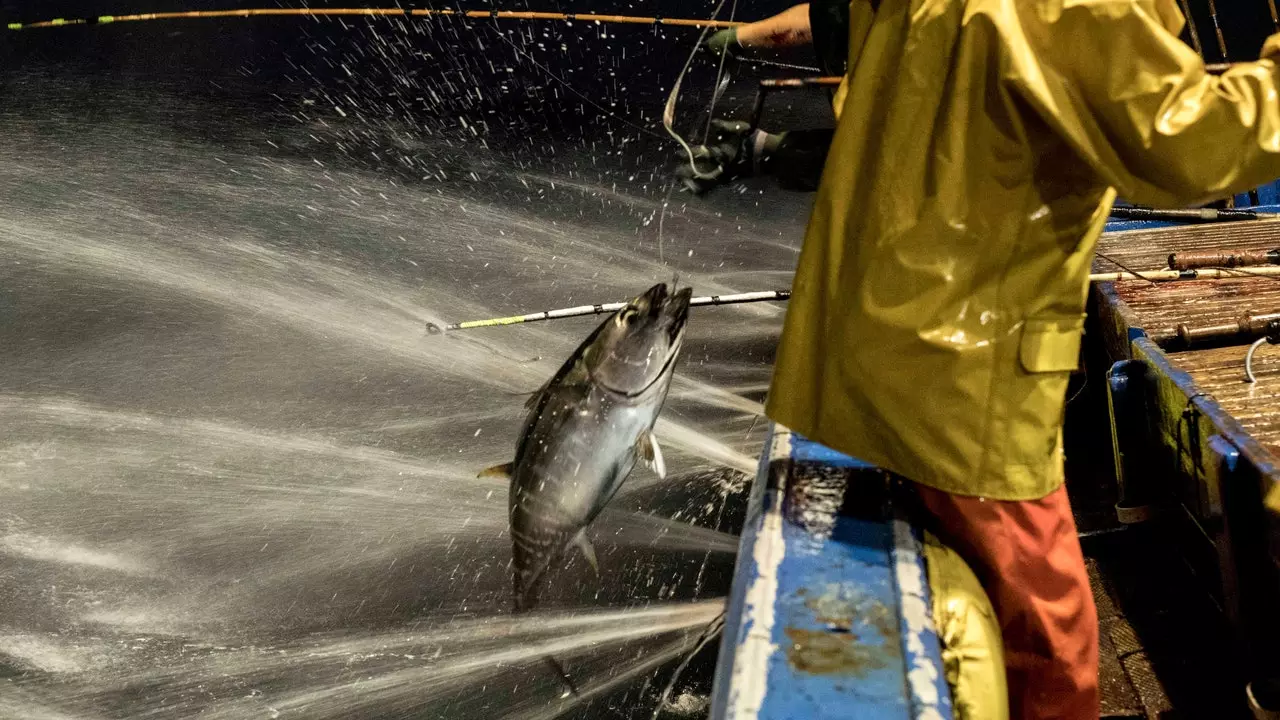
x=585, y=431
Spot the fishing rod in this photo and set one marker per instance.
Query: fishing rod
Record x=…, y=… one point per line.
x=770, y=85
x=1255, y=329
x=1245, y=329
x=1176, y=275
x=783, y=295
x=374, y=12
x=1191, y=27
x=581, y=310
x=1196, y=259
x=1190, y=215
x=1260, y=329
x=1217, y=28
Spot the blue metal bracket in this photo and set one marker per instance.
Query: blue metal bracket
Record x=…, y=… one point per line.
x=830, y=615
x=1129, y=435
x=1228, y=458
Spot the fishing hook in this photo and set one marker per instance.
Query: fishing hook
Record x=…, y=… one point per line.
x=1248, y=359
x=1272, y=337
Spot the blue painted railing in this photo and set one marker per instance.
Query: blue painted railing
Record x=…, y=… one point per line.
x=830, y=615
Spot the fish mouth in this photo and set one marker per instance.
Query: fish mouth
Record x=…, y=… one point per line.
x=668, y=308
x=676, y=308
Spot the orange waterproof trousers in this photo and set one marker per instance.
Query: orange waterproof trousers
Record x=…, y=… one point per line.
x=1027, y=556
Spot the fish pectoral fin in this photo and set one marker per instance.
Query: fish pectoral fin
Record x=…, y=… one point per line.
x=647, y=449
x=498, y=471
x=588, y=551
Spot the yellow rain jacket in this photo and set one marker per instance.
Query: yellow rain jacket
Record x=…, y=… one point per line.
x=939, y=300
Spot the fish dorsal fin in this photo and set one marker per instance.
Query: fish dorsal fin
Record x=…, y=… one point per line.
x=536, y=395
x=532, y=401
x=498, y=471
x=648, y=450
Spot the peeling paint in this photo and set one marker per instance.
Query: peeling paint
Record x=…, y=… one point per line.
x=832, y=652
x=917, y=622
x=817, y=626
x=751, y=666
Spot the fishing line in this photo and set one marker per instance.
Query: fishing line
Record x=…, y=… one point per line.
x=775, y=63
x=669, y=111
x=521, y=52
x=668, y=120
x=1123, y=267
x=662, y=217
x=708, y=635
x=720, y=84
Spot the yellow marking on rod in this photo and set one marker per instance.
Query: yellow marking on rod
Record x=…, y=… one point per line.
x=15, y=26
x=56, y=22
x=515, y=320
x=104, y=19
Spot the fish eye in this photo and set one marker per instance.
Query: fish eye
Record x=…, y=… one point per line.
x=624, y=318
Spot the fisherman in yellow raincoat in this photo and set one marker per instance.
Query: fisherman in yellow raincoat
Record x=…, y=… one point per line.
x=938, y=306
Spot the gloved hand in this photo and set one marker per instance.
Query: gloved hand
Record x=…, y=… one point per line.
x=726, y=157
x=724, y=42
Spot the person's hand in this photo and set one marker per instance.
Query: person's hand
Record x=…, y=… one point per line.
x=724, y=42
x=725, y=158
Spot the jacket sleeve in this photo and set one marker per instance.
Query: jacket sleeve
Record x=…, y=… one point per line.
x=1140, y=108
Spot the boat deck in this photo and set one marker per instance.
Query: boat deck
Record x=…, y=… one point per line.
x=1198, y=447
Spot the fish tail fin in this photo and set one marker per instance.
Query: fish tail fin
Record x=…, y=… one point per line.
x=563, y=674
x=523, y=597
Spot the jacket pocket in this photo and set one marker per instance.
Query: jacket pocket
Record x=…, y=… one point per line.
x=1051, y=343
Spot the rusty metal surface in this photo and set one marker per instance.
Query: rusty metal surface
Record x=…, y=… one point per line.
x=1159, y=308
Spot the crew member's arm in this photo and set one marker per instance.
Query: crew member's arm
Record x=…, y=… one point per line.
x=1138, y=106
x=788, y=28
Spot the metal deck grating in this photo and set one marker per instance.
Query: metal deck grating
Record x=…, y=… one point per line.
x=1159, y=308
x=1220, y=373
x=1149, y=249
